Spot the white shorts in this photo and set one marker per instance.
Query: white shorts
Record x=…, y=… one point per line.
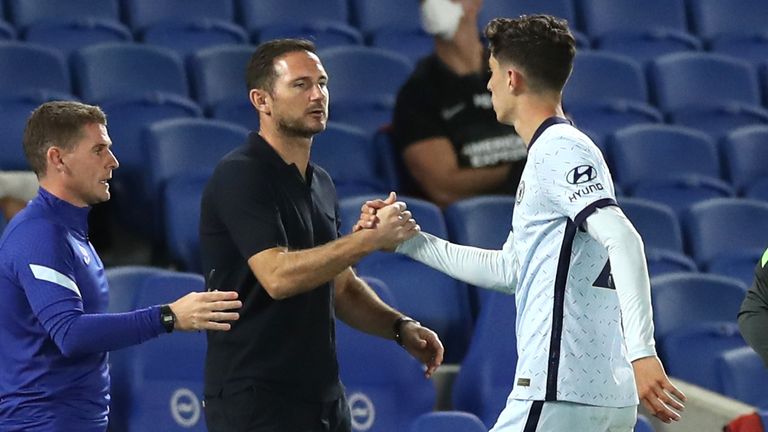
x=539, y=416
x=21, y=185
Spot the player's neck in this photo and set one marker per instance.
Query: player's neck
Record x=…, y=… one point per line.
x=464, y=53
x=532, y=112
x=292, y=149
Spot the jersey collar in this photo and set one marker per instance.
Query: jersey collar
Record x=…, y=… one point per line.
x=73, y=217
x=547, y=123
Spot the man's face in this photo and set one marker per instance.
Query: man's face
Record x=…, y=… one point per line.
x=300, y=95
x=89, y=166
x=498, y=85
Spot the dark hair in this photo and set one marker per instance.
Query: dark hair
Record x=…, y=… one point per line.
x=60, y=124
x=260, y=73
x=541, y=45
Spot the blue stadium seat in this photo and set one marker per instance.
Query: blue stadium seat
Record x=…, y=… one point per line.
x=483, y=221
x=158, y=385
x=444, y=421
x=744, y=376
x=385, y=386
x=125, y=283
x=690, y=353
x=607, y=92
x=350, y=157
x=363, y=83
x=504, y=8
x=441, y=303
x=707, y=91
x=734, y=29
x=142, y=14
x=27, y=68
x=181, y=203
x=15, y=111
x=684, y=299
x=127, y=71
x=745, y=151
x=724, y=228
x=659, y=227
x=488, y=371
x=187, y=145
x=657, y=224
x=683, y=192
x=238, y=111
x=7, y=32
x=559, y=8
x=375, y=16
x=634, y=153
x=187, y=37
x=218, y=74
x=413, y=44
x=324, y=34
x=73, y=34
x=643, y=424
x=256, y=15
x=641, y=31
x=661, y=262
x=127, y=121
x=740, y=266
x=758, y=191
x=24, y=13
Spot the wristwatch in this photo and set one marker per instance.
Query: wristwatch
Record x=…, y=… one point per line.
x=398, y=325
x=168, y=318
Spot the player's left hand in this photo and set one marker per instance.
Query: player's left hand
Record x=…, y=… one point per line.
x=423, y=344
x=656, y=391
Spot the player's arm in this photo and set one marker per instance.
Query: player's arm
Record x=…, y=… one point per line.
x=492, y=269
x=753, y=314
x=358, y=305
x=284, y=273
x=433, y=163
x=47, y=277
x=612, y=229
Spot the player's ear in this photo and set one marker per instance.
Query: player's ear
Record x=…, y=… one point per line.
x=260, y=99
x=515, y=80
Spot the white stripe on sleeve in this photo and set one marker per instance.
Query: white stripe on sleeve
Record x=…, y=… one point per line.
x=50, y=275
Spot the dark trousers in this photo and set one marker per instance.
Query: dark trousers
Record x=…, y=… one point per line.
x=258, y=410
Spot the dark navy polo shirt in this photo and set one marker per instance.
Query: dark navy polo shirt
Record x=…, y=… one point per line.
x=253, y=202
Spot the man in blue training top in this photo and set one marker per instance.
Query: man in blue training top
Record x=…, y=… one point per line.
x=54, y=333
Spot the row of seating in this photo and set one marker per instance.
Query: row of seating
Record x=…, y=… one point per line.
x=665, y=25
x=385, y=387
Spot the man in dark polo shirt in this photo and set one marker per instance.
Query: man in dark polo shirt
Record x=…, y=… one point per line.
x=753, y=316
x=269, y=227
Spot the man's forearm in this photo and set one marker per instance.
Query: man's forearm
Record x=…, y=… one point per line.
x=285, y=273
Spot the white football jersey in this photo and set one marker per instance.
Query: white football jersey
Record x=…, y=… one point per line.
x=569, y=332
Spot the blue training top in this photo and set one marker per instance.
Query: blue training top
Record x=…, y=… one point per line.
x=54, y=334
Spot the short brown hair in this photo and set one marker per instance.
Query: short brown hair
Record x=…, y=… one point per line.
x=541, y=45
x=260, y=73
x=60, y=124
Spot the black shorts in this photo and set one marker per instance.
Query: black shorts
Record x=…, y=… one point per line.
x=258, y=410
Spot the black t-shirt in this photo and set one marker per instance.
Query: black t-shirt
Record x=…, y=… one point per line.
x=253, y=202
x=435, y=102
x=753, y=315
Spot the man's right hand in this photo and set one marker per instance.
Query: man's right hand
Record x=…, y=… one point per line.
x=368, y=218
x=206, y=310
x=394, y=225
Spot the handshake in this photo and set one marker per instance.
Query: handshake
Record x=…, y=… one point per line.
x=387, y=222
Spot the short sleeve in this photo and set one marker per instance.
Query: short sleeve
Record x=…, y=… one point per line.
x=574, y=177
x=245, y=203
